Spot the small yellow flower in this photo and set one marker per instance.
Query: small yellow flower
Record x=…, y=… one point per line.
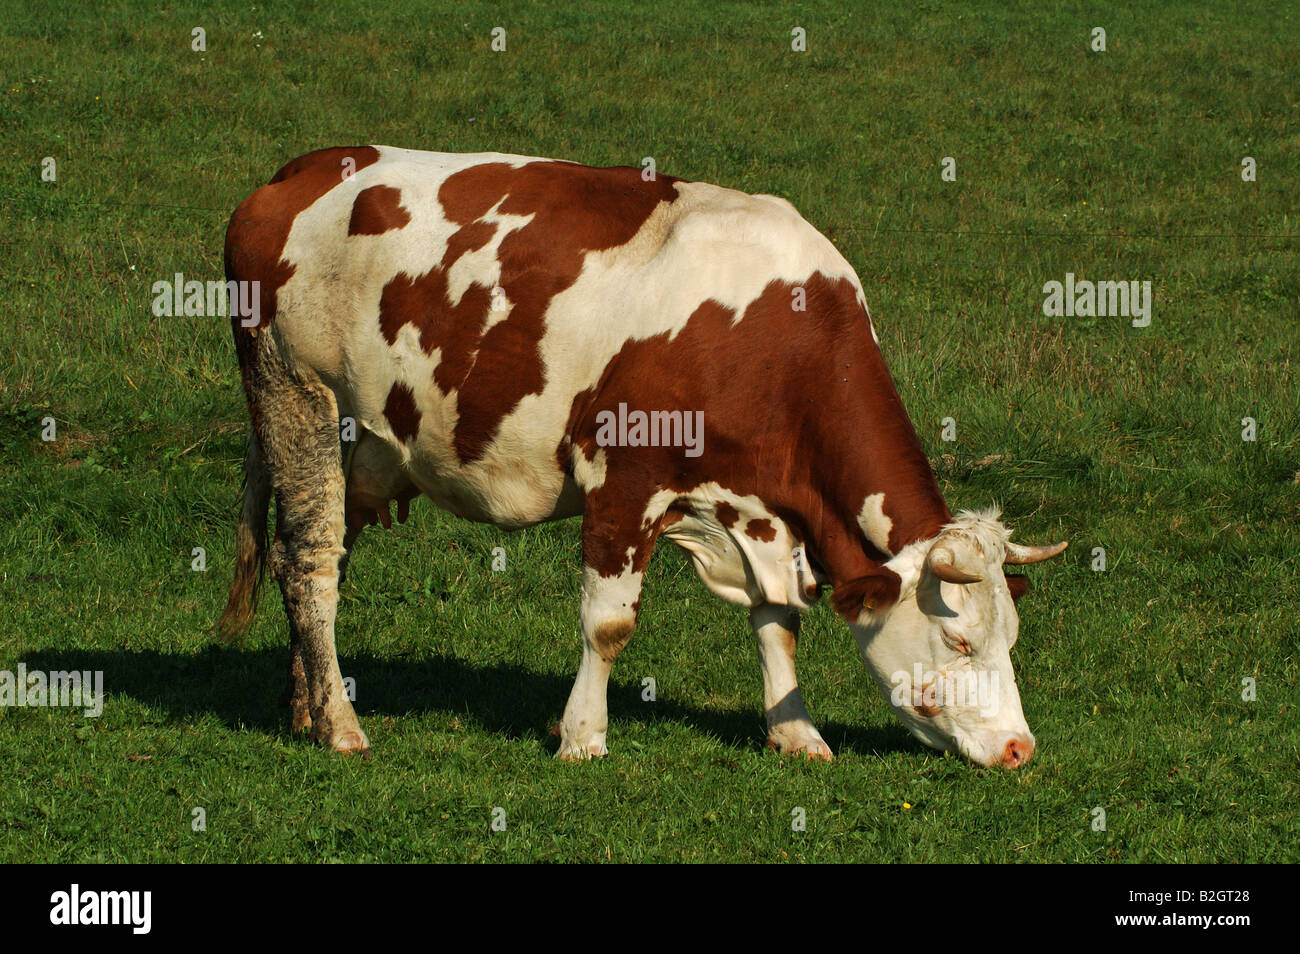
x=907, y=805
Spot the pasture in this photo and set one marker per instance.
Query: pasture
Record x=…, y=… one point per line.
x=1162, y=689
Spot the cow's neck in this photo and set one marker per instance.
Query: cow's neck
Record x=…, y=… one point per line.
x=872, y=491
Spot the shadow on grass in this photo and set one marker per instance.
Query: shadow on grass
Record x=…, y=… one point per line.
x=242, y=688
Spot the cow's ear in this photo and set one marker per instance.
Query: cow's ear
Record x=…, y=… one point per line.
x=1018, y=585
x=872, y=593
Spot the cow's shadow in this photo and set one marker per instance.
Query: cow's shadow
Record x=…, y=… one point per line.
x=242, y=687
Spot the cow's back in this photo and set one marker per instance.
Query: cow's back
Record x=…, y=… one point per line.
x=462, y=307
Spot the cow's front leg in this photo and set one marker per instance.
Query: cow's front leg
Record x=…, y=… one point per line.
x=789, y=728
x=609, y=610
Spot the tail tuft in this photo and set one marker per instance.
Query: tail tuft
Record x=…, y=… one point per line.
x=250, y=547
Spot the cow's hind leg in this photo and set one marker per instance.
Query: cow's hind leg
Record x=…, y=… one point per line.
x=299, y=436
x=294, y=697
x=789, y=728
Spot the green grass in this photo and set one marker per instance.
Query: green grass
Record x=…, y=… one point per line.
x=1121, y=165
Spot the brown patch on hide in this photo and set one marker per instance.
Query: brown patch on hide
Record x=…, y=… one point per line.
x=800, y=414
x=402, y=414
x=377, y=210
x=611, y=637
x=574, y=210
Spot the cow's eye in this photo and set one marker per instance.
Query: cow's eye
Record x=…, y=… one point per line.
x=954, y=640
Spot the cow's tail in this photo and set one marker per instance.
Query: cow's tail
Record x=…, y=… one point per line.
x=250, y=546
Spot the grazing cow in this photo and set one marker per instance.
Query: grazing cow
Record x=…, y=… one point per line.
x=523, y=340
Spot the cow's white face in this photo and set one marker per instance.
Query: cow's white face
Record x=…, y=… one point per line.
x=942, y=654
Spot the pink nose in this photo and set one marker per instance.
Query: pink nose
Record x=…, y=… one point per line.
x=1018, y=751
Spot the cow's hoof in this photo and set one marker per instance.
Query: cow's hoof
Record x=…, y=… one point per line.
x=594, y=749
x=351, y=743
x=582, y=755
x=299, y=719
x=814, y=749
x=347, y=742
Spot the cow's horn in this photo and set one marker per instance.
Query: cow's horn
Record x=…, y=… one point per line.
x=1020, y=554
x=942, y=562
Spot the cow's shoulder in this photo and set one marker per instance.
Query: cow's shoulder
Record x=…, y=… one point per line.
x=760, y=235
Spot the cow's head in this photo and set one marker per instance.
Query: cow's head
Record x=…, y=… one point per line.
x=941, y=652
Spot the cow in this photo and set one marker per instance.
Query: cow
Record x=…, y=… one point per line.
x=523, y=340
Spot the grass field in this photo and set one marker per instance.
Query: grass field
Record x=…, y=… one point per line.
x=1116, y=165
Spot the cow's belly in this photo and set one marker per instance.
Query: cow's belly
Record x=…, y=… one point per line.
x=406, y=429
x=509, y=494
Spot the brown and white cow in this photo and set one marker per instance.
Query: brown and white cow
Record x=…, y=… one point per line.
x=484, y=319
